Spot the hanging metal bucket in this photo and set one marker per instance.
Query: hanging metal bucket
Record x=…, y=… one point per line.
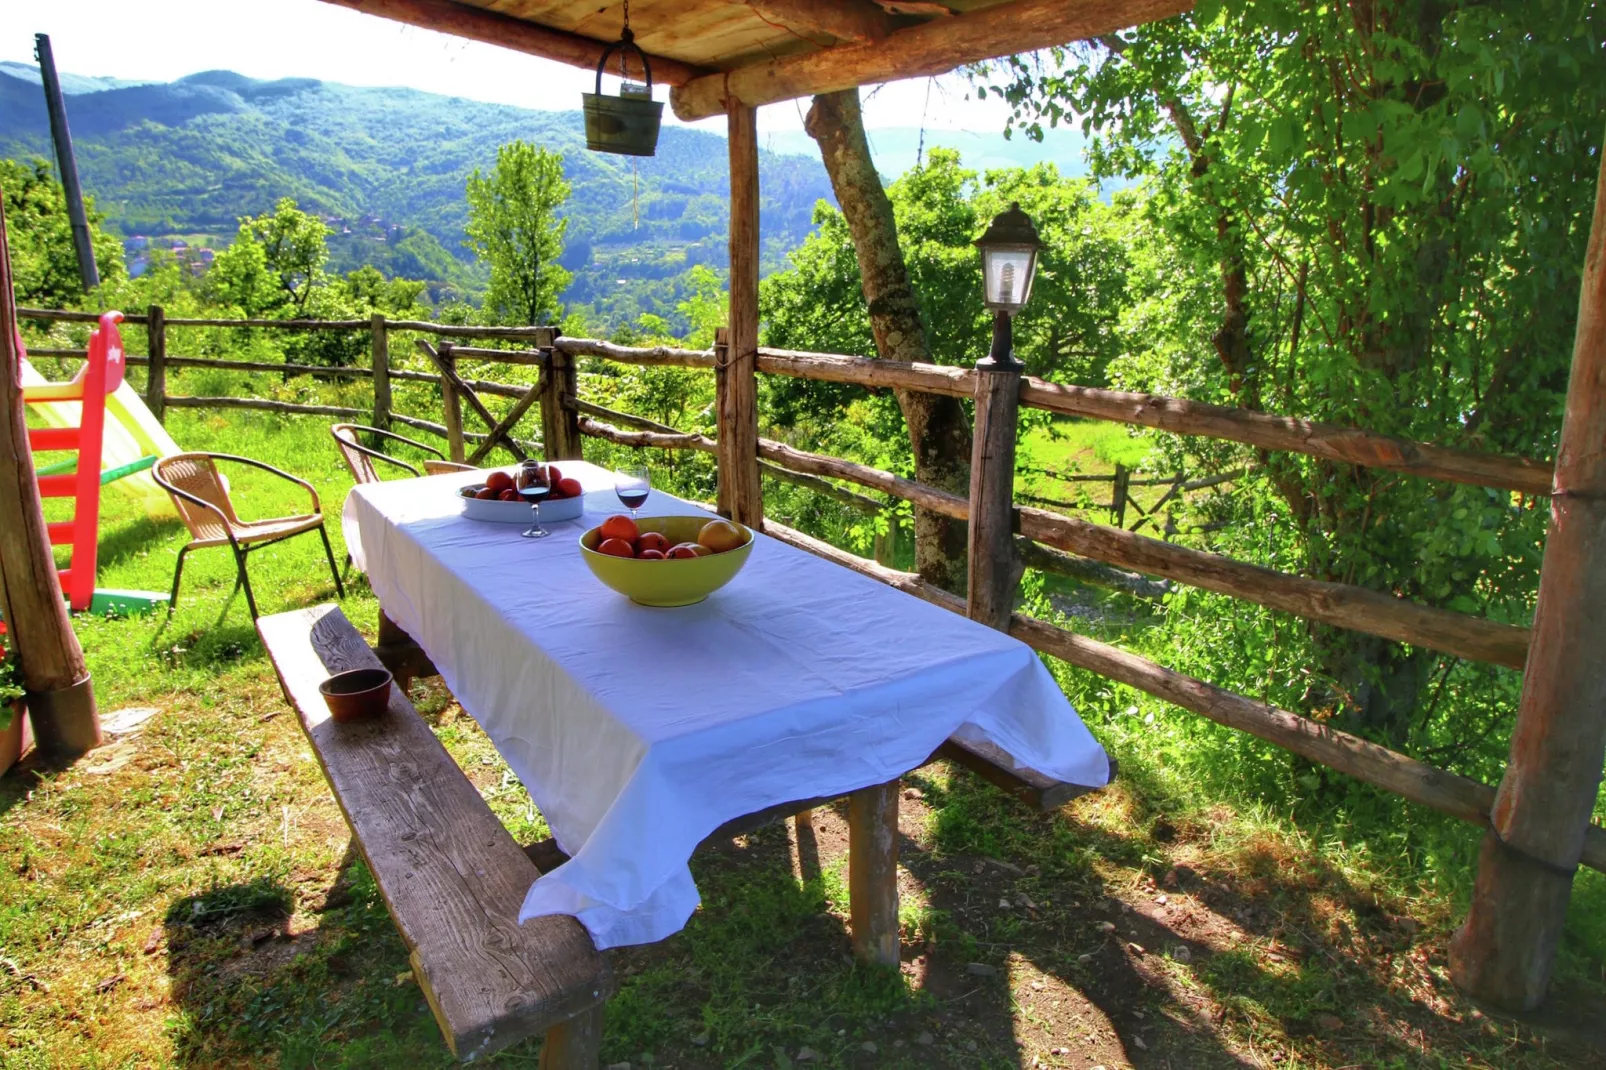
x=626, y=125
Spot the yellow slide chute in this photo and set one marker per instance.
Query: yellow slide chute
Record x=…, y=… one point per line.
x=131, y=433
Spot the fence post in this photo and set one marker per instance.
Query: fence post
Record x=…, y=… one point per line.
x=452, y=406
x=156, y=370
x=995, y=566
x=560, y=421
x=886, y=542
x=1123, y=487
x=379, y=342
x=1505, y=950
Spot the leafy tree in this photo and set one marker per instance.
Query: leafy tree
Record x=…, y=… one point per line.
x=43, y=262
x=275, y=264
x=240, y=279
x=1372, y=214
x=295, y=245
x=513, y=226
x=367, y=289
x=1069, y=331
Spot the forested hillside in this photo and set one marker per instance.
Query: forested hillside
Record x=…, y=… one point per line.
x=189, y=158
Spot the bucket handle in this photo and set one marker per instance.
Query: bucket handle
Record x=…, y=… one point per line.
x=626, y=40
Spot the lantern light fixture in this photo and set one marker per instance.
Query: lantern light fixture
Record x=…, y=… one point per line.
x=1008, y=264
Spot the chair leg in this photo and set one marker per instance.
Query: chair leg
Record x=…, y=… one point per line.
x=178, y=574
x=334, y=571
x=244, y=580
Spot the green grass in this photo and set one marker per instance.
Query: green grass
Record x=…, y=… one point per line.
x=189, y=896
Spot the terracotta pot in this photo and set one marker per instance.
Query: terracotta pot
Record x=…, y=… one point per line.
x=15, y=739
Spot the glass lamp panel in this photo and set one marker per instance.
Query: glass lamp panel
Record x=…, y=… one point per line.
x=1007, y=271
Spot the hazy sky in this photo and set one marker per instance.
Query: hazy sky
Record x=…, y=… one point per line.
x=160, y=40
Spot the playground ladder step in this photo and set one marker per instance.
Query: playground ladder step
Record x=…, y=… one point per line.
x=54, y=438
x=58, y=486
x=60, y=533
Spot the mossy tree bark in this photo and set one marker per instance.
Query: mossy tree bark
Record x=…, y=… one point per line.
x=939, y=430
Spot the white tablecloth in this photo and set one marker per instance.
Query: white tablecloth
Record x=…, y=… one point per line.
x=639, y=731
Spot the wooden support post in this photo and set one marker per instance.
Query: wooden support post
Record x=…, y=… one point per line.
x=741, y=492
x=379, y=346
x=873, y=873
x=60, y=698
x=156, y=366
x=560, y=415
x=1504, y=952
x=995, y=566
x=575, y=1044
x=451, y=404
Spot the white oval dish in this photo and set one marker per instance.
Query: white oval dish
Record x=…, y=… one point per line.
x=499, y=512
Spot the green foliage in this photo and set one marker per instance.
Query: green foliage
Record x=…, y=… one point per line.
x=1378, y=223
x=513, y=226
x=11, y=688
x=44, y=265
x=1069, y=331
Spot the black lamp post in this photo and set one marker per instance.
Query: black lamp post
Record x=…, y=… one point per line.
x=1008, y=263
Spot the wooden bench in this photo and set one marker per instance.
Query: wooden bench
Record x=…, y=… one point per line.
x=450, y=873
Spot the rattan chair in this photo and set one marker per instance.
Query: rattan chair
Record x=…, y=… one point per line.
x=202, y=500
x=360, y=459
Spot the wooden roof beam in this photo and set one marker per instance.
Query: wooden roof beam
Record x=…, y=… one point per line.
x=845, y=20
x=479, y=24
x=934, y=47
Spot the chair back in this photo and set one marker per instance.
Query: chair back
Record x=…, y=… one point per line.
x=196, y=474
x=360, y=459
x=436, y=468
x=353, y=453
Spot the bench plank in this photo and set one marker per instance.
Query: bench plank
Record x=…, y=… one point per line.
x=450, y=873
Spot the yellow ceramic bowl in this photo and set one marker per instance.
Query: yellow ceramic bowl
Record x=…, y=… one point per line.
x=673, y=582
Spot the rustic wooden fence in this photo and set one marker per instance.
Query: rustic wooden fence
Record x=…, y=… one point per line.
x=1000, y=545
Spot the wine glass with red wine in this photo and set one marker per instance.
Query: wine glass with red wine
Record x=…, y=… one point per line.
x=533, y=485
x=632, y=486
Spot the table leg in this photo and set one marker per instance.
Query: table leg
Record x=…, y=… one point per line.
x=575, y=1044
x=873, y=873
x=404, y=658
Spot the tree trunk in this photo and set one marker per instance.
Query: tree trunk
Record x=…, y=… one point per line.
x=939, y=431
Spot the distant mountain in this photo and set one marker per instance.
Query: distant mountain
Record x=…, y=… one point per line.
x=70, y=83
x=387, y=167
x=896, y=149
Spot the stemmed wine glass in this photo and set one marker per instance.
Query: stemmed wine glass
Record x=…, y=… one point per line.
x=533, y=486
x=632, y=486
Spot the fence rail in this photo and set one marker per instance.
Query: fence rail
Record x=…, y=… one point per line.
x=1100, y=553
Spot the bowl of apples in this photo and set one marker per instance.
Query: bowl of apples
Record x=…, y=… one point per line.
x=497, y=499
x=666, y=560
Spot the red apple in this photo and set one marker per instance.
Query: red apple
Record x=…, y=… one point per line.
x=569, y=487
x=649, y=555
x=683, y=550
x=620, y=526
x=616, y=548
x=499, y=481
x=486, y=494
x=509, y=495
x=652, y=540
